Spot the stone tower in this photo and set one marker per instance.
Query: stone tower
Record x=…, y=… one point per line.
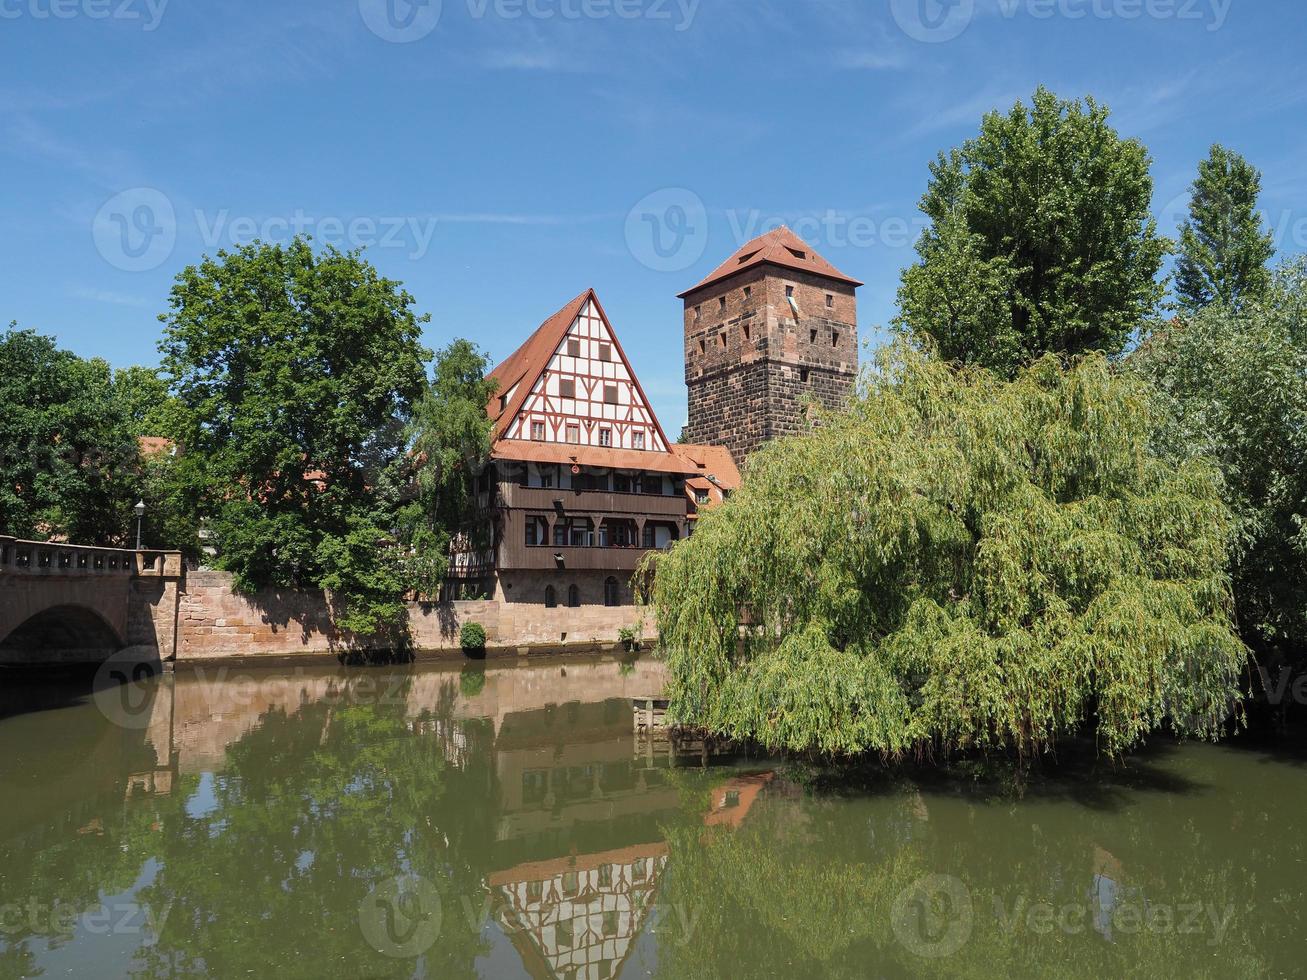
x=773, y=323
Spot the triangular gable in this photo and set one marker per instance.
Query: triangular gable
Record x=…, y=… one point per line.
x=571, y=383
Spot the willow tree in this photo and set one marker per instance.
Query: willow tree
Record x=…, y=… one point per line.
x=959, y=562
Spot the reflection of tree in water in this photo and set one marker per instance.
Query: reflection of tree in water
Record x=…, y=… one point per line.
x=809, y=884
x=314, y=810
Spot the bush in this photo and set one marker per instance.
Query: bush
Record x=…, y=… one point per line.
x=472, y=637
x=472, y=682
x=629, y=638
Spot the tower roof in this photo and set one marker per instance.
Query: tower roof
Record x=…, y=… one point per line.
x=777, y=247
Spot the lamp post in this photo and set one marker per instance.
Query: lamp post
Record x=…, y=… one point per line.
x=140, y=513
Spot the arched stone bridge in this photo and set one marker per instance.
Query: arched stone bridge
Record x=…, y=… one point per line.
x=63, y=603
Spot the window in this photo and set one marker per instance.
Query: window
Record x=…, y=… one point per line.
x=610, y=591
x=812, y=336
x=639, y=870
x=605, y=876
x=610, y=394
x=567, y=387
x=574, y=348
x=721, y=303
x=532, y=532
x=797, y=253
x=834, y=338
x=748, y=291
x=546, y=477
x=573, y=597
x=538, y=431
x=721, y=340
x=574, y=434
x=605, y=437
x=535, y=890
x=698, y=313
x=748, y=333
x=610, y=922
x=638, y=440
x=701, y=496
x=622, y=481
x=648, y=537
x=702, y=346
x=605, y=352
x=830, y=301
x=551, y=597
x=571, y=883
x=563, y=934
x=803, y=376
x=789, y=292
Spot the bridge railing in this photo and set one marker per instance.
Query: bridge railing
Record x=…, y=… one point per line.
x=18, y=557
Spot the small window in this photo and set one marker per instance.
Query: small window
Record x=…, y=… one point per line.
x=532, y=528
x=803, y=376
x=563, y=934
x=748, y=333
x=567, y=387
x=637, y=440
x=605, y=352
x=812, y=336
x=698, y=313
x=834, y=338
x=721, y=303
x=573, y=597
x=610, y=394
x=574, y=348
x=702, y=346
x=551, y=597
x=648, y=537
x=701, y=496
x=797, y=253
x=538, y=431
x=748, y=291
x=721, y=340
x=611, y=594
x=789, y=292
x=610, y=922
x=574, y=434
x=605, y=437
x=547, y=477
x=605, y=876
x=830, y=301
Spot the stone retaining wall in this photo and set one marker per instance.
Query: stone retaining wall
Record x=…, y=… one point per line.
x=213, y=622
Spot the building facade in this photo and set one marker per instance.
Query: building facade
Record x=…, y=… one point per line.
x=771, y=326
x=583, y=481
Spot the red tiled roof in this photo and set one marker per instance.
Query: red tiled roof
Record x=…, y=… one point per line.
x=706, y=461
x=523, y=366
x=778, y=247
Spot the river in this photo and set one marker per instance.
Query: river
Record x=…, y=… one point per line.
x=518, y=821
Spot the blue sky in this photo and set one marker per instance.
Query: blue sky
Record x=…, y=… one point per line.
x=499, y=156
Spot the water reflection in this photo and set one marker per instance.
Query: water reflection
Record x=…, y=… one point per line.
x=536, y=821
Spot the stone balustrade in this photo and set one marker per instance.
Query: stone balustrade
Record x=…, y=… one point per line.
x=19, y=557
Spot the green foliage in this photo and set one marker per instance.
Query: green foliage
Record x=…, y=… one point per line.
x=296, y=374
x=1223, y=248
x=450, y=433
x=146, y=400
x=959, y=562
x=1040, y=241
x=1235, y=385
x=472, y=637
x=472, y=680
x=68, y=456
x=629, y=638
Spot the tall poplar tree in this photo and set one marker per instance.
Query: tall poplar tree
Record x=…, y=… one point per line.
x=1224, y=249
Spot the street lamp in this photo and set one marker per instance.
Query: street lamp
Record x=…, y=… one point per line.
x=140, y=513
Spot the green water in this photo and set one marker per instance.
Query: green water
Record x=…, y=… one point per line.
x=513, y=822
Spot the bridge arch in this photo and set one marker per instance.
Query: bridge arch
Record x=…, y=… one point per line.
x=68, y=633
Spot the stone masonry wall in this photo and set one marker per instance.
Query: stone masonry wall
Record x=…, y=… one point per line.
x=749, y=361
x=214, y=622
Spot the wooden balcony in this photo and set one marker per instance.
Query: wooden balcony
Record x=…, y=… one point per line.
x=545, y=557
x=588, y=502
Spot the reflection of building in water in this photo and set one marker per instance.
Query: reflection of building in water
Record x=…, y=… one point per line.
x=578, y=917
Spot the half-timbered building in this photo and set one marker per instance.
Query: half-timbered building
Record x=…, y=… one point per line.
x=583, y=480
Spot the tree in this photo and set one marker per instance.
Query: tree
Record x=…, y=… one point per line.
x=1040, y=240
x=1234, y=382
x=68, y=456
x=1223, y=250
x=145, y=399
x=958, y=562
x=451, y=435
x=297, y=373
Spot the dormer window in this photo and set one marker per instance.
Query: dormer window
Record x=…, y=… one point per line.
x=747, y=256
x=797, y=253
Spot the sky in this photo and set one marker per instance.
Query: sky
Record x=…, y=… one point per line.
x=500, y=156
